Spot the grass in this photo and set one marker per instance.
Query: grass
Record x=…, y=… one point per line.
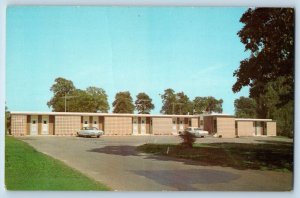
x=28, y=169
x=276, y=156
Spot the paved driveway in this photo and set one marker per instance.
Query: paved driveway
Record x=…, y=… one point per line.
x=114, y=162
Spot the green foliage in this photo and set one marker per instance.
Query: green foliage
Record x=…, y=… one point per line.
x=7, y=121
x=268, y=34
x=123, y=103
x=207, y=104
x=62, y=87
x=188, y=139
x=169, y=101
x=176, y=103
x=184, y=105
x=268, y=155
x=27, y=169
x=245, y=107
x=143, y=103
x=282, y=114
x=93, y=99
x=99, y=98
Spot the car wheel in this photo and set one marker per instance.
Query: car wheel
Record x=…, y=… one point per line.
x=98, y=136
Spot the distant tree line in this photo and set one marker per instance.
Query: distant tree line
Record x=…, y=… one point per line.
x=66, y=97
x=268, y=34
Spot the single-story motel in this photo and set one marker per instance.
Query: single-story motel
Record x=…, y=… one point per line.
x=68, y=123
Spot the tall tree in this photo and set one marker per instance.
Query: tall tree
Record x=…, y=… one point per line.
x=268, y=34
x=245, y=107
x=93, y=99
x=282, y=114
x=207, y=105
x=61, y=88
x=99, y=97
x=168, y=100
x=81, y=102
x=123, y=103
x=143, y=103
x=175, y=103
x=183, y=104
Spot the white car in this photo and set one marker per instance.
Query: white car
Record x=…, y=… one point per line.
x=89, y=132
x=196, y=131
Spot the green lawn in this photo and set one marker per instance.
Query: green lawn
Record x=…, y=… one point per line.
x=28, y=169
x=276, y=156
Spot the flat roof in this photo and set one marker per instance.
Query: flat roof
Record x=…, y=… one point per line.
x=101, y=114
x=219, y=115
x=252, y=119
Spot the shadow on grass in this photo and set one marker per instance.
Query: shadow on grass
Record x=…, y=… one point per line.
x=272, y=155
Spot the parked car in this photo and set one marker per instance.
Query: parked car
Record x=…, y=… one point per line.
x=196, y=131
x=89, y=132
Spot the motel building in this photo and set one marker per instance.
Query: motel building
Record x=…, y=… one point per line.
x=68, y=123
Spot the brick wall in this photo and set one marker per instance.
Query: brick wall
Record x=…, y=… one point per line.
x=245, y=128
x=208, y=124
x=226, y=127
x=67, y=125
x=118, y=125
x=271, y=128
x=18, y=125
x=195, y=122
x=162, y=126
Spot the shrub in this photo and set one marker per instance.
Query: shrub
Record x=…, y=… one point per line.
x=187, y=139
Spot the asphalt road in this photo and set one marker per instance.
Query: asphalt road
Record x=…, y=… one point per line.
x=113, y=161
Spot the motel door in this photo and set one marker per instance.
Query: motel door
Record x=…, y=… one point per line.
x=174, y=127
x=135, y=126
x=259, y=128
x=85, y=121
x=45, y=125
x=143, y=126
x=34, y=125
x=95, y=122
x=181, y=125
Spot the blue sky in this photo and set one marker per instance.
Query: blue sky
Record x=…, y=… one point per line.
x=136, y=49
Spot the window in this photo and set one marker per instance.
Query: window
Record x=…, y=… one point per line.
x=33, y=122
x=190, y=123
x=95, y=122
x=174, y=122
x=85, y=122
x=143, y=121
x=180, y=121
x=45, y=121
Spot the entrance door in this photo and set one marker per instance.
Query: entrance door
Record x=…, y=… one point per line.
x=143, y=126
x=45, y=125
x=134, y=126
x=95, y=122
x=34, y=125
x=174, y=127
x=259, y=128
x=85, y=121
x=181, y=125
